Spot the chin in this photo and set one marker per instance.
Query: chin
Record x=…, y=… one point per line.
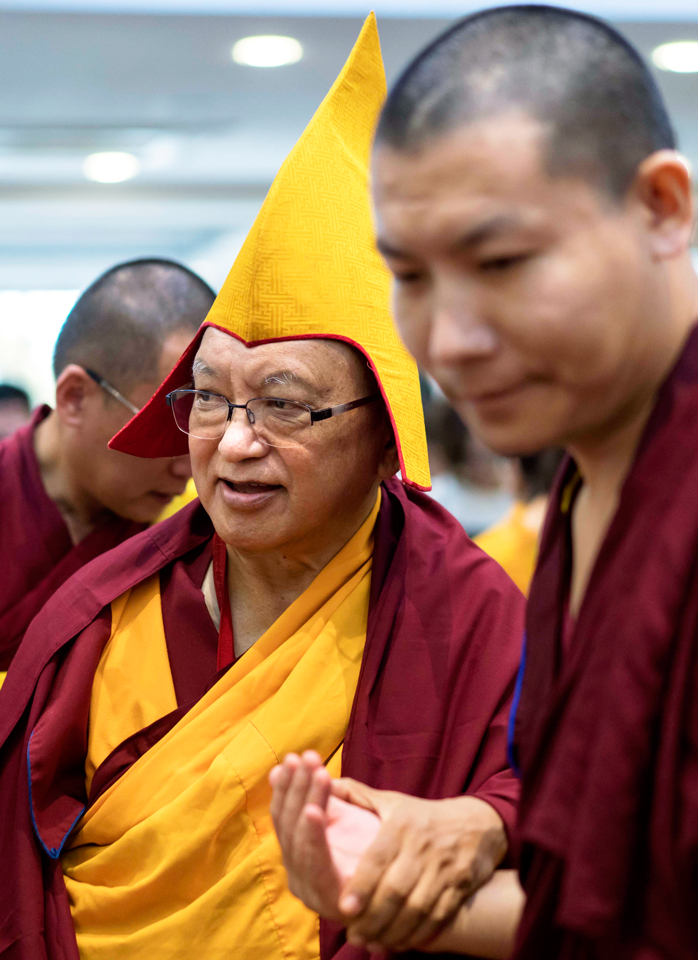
x=518, y=440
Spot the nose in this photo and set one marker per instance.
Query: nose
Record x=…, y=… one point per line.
x=240, y=440
x=458, y=332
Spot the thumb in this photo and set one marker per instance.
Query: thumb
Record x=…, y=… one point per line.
x=381, y=802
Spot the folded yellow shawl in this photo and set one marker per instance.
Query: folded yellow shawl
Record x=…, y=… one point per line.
x=178, y=858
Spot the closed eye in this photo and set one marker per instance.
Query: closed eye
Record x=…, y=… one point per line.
x=503, y=263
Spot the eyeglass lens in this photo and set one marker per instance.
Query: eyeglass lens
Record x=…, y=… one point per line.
x=277, y=422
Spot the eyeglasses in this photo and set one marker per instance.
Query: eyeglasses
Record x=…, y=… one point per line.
x=278, y=422
x=112, y=391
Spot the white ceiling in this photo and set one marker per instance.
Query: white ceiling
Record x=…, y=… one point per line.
x=210, y=134
x=619, y=9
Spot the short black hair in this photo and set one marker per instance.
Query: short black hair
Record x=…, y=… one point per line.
x=600, y=107
x=11, y=394
x=120, y=323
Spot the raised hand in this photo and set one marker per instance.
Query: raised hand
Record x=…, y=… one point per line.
x=321, y=836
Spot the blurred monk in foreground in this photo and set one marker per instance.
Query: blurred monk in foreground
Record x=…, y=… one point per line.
x=310, y=600
x=65, y=498
x=537, y=220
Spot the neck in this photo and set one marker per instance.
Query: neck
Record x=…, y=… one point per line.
x=80, y=512
x=261, y=586
x=605, y=459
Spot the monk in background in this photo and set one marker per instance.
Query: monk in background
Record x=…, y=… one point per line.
x=65, y=498
x=537, y=220
x=309, y=600
x=15, y=409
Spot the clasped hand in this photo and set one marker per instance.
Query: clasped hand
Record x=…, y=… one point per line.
x=394, y=869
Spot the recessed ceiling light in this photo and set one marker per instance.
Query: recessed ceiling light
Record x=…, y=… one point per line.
x=110, y=167
x=267, y=51
x=680, y=57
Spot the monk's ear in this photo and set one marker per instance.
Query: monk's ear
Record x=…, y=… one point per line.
x=663, y=189
x=74, y=389
x=390, y=462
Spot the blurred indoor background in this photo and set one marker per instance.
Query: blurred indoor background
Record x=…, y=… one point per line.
x=144, y=128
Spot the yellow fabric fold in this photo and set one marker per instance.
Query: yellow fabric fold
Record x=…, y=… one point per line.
x=178, y=858
x=513, y=543
x=133, y=684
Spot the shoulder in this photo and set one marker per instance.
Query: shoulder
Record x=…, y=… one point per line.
x=81, y=599
x=435, y=533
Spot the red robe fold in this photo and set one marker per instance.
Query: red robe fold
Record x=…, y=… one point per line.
x=606, y=731
x=38, y=554
x=429, y=716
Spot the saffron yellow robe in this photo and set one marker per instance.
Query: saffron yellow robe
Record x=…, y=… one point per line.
x=179, y=856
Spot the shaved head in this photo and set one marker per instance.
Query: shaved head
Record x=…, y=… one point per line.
x=119, y=325
x=600, y=109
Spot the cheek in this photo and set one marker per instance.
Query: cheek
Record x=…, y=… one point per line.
x=568, y=313
x=411, y=314
x=201, y=455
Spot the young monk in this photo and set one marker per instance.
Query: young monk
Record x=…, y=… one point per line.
x=65, y=498
x=311, y=600
x=537, y=221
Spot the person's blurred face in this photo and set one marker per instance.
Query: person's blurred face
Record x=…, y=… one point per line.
x=537, y=304
x=13, y=415
x=132, y=487
x=291, y=499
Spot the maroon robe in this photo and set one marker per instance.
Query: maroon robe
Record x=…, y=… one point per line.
x=37, y=552
x=429, y=716
x=606, y=730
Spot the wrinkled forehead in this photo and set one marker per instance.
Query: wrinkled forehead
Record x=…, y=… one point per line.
x=317, y=363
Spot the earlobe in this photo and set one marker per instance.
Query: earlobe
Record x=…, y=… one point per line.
x=663, y=187
x=391, y=462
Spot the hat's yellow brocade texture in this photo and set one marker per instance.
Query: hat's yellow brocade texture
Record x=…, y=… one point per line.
x=309, y=266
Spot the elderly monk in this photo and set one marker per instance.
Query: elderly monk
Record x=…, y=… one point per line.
x=310, y=601
x=65, y=498
x=537, y=220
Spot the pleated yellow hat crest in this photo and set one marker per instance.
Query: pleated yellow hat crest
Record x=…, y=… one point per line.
x=309, y=266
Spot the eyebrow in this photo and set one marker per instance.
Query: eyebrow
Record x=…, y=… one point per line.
x=488, y=230
x=288, y=378
x=471, y=238
x=200, y=366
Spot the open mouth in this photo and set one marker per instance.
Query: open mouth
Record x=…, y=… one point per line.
x=251, y=488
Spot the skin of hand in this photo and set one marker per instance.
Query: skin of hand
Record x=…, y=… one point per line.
x=322, y=837
x=396, y=887
x=429, y=857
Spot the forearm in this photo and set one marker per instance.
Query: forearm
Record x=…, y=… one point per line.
x=485, y=926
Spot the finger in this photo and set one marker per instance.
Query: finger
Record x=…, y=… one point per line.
x=316, y=880
x=354, y=792
x=372, y=865
x=294, y=801
x=389, y=901
x=320, y=789
x=430, y=903
x=443, y=912
x=279, y=778
x=382, y=802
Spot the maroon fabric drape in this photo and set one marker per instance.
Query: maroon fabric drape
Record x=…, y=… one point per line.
x=39, y=554
x=607, y=734
x=429, y=716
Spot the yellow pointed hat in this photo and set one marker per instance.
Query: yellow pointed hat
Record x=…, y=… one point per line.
x=309, y=267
